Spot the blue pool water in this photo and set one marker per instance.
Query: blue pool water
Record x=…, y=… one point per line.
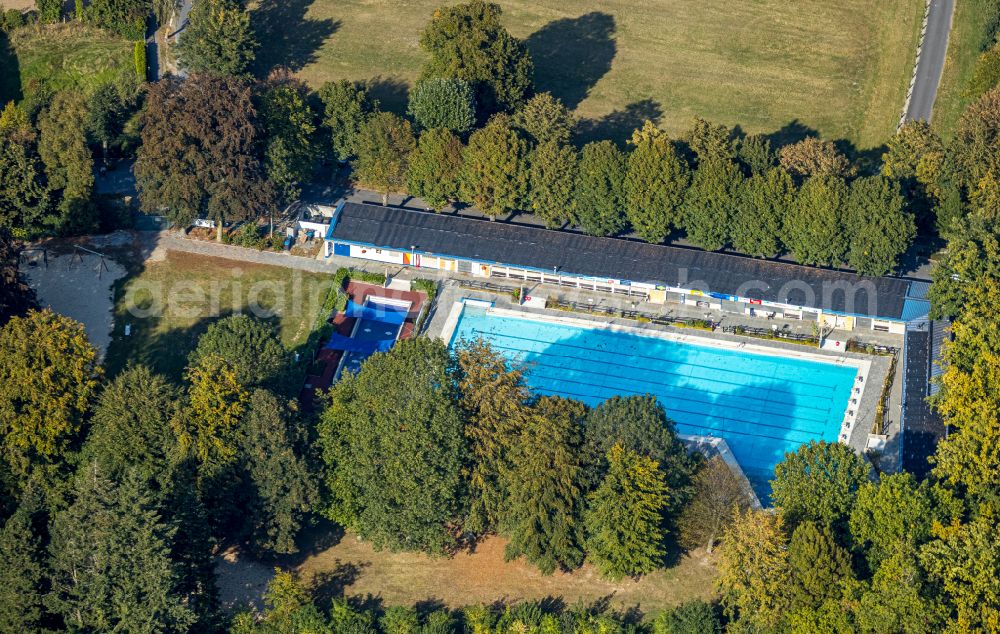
x=762, y=405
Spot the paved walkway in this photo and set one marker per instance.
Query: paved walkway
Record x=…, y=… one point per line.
x=930, y=60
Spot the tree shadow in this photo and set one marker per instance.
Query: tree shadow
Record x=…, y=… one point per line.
x=288, y=37
x=792, y=132
x=331, y=584
x=10, y=78
x=391, y=93
x=572, y=54
x=618, y=125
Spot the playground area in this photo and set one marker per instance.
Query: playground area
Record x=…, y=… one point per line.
x=78, y=283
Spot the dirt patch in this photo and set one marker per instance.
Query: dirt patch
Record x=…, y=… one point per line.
x=352, y=567
x=78, y=285
x=20, y=5
x=241, y=581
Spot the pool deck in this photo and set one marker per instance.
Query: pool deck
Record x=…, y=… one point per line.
x=874, y=368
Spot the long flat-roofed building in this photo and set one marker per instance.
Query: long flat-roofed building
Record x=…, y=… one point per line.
x=655, y=273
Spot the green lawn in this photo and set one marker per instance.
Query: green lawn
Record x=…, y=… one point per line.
x=59, y=57
x=965, y=43
x=178, y=297
x=841, y=68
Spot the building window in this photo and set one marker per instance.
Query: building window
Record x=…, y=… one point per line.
x=464, y=266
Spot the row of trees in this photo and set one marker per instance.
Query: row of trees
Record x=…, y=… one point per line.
x=124, y=17
x=116, y=492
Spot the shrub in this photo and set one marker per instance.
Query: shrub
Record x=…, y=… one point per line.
x=139, y=55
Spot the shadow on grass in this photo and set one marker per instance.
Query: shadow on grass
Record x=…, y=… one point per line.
x=392, y=93
x=288, y=37
x=572, y=54
x=10, y=78
x=618, y=125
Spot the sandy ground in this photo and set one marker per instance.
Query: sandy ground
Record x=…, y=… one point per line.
x=78, y=285
x=23, y=5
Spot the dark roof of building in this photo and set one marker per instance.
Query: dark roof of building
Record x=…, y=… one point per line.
x=616, y=258
x=922, y=426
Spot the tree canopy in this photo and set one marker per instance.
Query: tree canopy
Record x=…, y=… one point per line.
x=218, y=38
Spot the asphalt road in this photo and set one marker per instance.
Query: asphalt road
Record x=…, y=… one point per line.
x=931, y=61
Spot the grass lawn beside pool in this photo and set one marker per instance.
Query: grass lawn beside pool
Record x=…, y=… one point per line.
x=169, y=303
x=841, y=68
x=483, y=577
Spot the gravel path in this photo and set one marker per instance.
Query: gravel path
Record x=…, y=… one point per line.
x=170, y=241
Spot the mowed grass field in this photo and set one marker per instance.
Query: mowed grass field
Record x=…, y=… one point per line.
x=966, y=41
x=60, y=57
x=837, y=67
x=170, y=301
x=353, y=568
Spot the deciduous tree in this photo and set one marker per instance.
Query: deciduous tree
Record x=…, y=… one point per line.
x=552, y=168
x=346, y=107
x=900, y=598
x=754, y=571
x=494, y=168
x=434, y=168
x=249, y=346
x=49, y=375
x=711, y=202
x=692, y=617
x=972, y=259
x=894, y=511
x=965, y=560
x=717, y=494
x=764, y=201
x=218, y=38
x=125, y=17
x=819, y=482
x=217, y=401
x=812, y=157
x=290, y=129
x=814, y=226
x=878, y=227
x=441, y=102
x=624, y=516
x=199, y=152
x=393, y=446
x=543, y=514
x=24, y=200
x=543, y=118
x=711, y=141
x=655, y=181
x=467, y=41
x=383, y=146
x=977, y=136
x=599, y=193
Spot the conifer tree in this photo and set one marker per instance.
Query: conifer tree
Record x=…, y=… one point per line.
x=218, y=38
x=441, y=102
x=599, y=195
x=765, y=199
x=217, y=401
x=110, y=557
x=284, y=491
x=69, y=166
x=552, y=171
x=711, y=202
x=545, y=503
x=494, y=168
x=624, y=517
x=711, y=141
x=434, y=168
x=22, y=569
x=493, y=399
x=819, y=567
x=755, y=155
x=655, y=181
x=291, y=151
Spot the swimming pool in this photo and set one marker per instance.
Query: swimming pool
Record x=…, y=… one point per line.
x=762, y=404
x=378, y=324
